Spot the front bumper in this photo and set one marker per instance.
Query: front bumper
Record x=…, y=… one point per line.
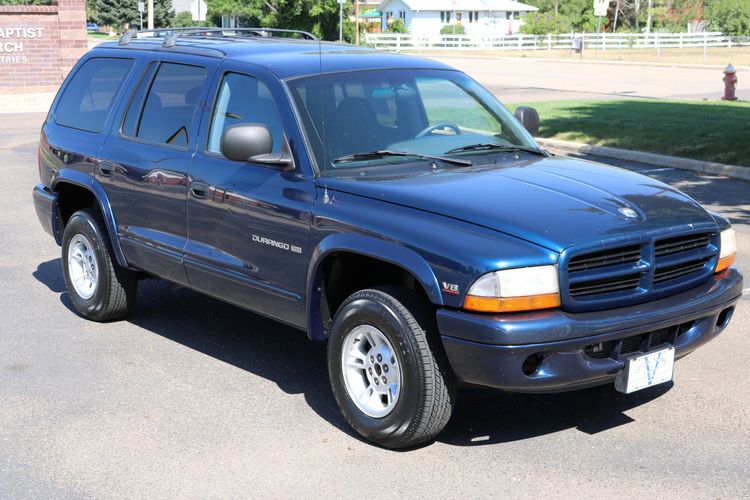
x=559, y=348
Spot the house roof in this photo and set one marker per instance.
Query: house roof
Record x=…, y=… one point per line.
x=480, y=5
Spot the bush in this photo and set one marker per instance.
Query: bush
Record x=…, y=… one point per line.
x=397, y=26
x=453, y=29
x=542, y=23
x=731, y=17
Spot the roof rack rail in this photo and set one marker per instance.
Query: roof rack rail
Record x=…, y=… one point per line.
x=172, y=34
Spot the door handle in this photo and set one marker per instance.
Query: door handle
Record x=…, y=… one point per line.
x=199, y=190
x=106, y=168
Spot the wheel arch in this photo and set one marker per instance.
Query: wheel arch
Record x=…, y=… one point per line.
x=70, y=186
x=387, y=255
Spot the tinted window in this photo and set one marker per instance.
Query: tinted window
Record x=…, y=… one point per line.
x=130, y=124
x=244, y=99
x=169, y=106
x=88, y=98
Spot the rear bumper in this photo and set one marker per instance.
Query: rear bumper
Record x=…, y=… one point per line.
x=45, y=204
x=491, y=350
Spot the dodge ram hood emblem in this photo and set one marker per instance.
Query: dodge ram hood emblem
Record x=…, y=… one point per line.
x=628, y=212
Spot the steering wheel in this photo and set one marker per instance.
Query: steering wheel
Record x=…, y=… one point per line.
x=438, y=126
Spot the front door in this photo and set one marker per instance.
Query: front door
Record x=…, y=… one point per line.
x=147, y=157
x=249, y=223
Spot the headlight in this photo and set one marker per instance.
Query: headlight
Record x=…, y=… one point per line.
x=512, y=290
x=728, y=250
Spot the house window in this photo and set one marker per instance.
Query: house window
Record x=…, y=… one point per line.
x=473, y=17
x=402, y=15
x=445, y=16
x=515, y=15
x=459, y=16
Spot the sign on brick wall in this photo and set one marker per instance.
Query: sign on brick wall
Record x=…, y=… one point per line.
x=40, y=43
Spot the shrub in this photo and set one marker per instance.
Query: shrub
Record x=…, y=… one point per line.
x=453, y=29
x=397, y=26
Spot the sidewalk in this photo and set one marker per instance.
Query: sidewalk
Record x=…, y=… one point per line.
x=26, y=103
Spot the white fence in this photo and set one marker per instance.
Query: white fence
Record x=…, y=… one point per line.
x=600, y=41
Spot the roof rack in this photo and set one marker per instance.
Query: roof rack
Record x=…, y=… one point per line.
x=171, y=35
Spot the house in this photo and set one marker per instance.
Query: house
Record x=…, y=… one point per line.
x=197, y=8
x=478, y=17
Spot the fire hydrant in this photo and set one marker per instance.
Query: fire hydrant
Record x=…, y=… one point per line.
x=730, y=83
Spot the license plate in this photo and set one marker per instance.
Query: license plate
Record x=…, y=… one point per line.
x=645, y=371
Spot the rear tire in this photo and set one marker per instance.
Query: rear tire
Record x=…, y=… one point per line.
x=99, y=289
x=369, y=323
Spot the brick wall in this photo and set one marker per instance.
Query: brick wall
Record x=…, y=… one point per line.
x=39, y=44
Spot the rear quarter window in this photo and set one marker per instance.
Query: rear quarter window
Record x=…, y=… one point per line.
x=88, y=98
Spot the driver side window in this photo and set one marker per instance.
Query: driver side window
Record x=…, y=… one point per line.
x=472, y=118
x=242, y=100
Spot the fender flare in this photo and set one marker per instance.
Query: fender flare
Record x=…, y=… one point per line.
x=89, y=182
x=387, y=251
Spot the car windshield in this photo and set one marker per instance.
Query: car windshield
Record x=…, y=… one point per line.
x=371, y=120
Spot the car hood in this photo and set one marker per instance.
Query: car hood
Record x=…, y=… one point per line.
x=556, y=202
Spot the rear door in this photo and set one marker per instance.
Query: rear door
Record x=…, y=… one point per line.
x=249, y=223
x=144, y=162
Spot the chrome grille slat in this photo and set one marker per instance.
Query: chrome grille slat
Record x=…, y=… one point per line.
x=673, y=272
x=680, y=244
x=605, y=258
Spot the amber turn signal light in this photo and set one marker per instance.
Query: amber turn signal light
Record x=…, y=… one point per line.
x=511, y=304
x=725, y=262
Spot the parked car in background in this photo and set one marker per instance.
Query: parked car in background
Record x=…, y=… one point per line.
x=92, y=27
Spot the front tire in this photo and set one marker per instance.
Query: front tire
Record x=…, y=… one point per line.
x=387, y=368
x=99, y=289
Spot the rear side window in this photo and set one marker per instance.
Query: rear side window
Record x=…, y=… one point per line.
x=166, y=113
x=89, y=97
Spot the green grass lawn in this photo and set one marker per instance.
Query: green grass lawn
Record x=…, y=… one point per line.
x=702, y=130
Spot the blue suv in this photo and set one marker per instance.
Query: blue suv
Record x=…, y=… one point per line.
x=388, y=205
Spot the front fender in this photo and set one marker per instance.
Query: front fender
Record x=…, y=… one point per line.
x=384, y=250
x=89, y=182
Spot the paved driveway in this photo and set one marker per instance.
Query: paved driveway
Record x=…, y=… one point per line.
x=191, y=397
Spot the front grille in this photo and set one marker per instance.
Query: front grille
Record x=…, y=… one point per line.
x=615, y=276
x=642, y=342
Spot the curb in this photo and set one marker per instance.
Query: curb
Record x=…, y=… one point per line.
x=704, y=167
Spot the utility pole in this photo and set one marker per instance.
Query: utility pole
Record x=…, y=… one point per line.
x=341, y=20
x=356, y=21
x=150, y=14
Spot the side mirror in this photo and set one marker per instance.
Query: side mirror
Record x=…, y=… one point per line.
x=529, y=118
x=253, y=143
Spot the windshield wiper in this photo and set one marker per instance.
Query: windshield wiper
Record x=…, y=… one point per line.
x=373, y=155
x=488, y=146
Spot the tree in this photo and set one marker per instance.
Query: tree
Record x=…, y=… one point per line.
x=542, y=23
x=731, y=17
x=119, y=15
x=321, y=17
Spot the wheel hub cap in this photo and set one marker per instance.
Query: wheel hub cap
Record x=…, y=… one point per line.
x=84, y=275
x=371, y=373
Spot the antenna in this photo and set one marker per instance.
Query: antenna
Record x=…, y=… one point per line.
x=326, y=198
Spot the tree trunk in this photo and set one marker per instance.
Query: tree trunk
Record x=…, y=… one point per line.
x=648, y=19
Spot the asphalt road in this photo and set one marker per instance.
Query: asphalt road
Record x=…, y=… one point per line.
x=515, y=79
x=193, y=398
